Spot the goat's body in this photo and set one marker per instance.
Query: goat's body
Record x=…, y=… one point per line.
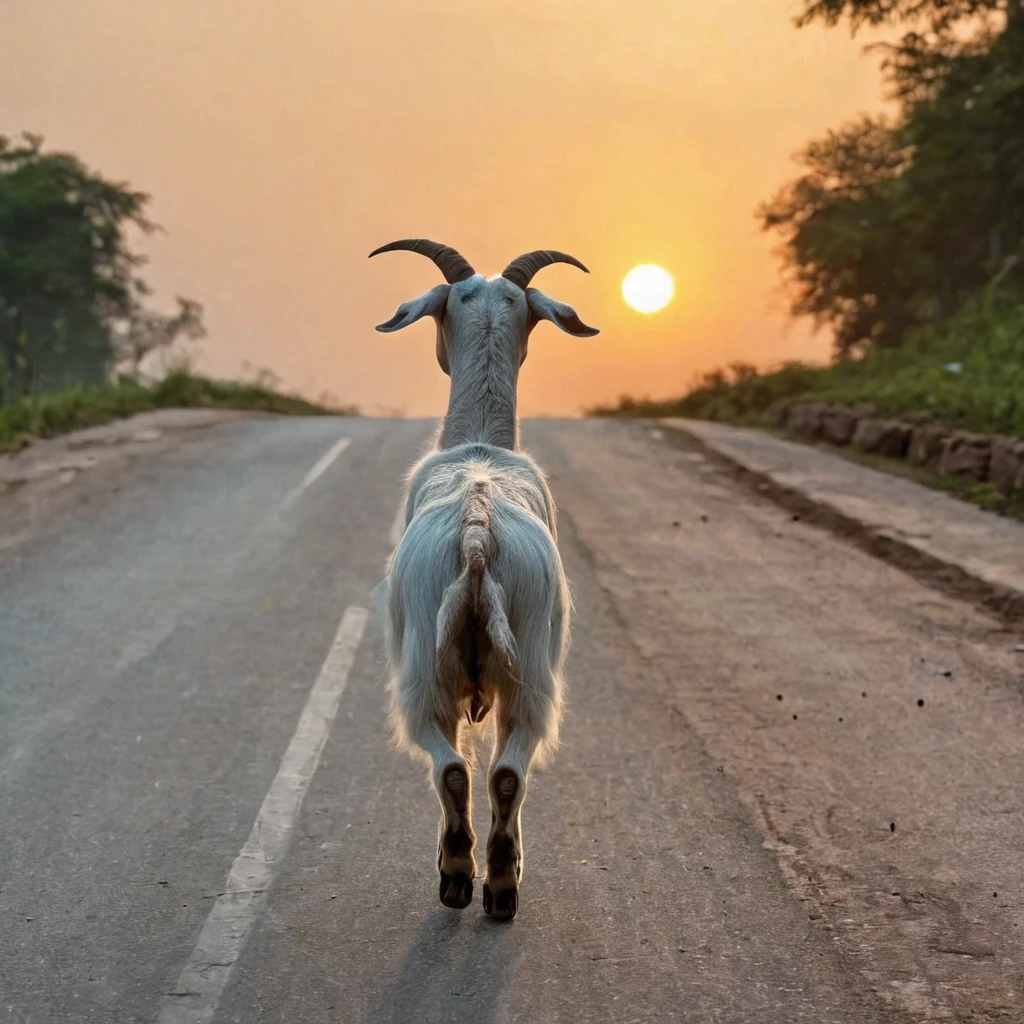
x=448, y=643
x=478, y=617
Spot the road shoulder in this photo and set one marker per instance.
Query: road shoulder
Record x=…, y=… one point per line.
x=871, y=724
x=949, y=543
x=54, y=475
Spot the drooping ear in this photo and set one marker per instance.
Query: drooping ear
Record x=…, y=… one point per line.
x=542, y=307
x=431, y=303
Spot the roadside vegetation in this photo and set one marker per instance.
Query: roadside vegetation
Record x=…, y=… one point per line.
x=966, y=373
x=59, y=412
x=903, y=235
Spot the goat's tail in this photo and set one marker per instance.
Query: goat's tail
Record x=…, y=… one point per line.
x=476, y=591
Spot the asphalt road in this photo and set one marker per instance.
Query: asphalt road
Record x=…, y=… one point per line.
x=752, y=819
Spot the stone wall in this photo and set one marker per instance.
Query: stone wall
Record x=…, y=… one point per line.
x=997, y=460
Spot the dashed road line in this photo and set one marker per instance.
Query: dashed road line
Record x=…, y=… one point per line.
x=195, y=997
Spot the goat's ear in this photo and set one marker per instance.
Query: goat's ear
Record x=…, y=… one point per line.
x=542, y=307
x=432, y=303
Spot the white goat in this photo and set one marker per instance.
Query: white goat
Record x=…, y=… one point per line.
x=478, y=605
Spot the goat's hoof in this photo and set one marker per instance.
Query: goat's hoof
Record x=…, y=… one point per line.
x=502, y=906
x=456, y=891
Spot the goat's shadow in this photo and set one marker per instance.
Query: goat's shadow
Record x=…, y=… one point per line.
x=455, y=970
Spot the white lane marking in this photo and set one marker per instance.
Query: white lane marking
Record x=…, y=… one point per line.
x=194, y=998
x=325, y=461
x=397, y=527
x=320, y=467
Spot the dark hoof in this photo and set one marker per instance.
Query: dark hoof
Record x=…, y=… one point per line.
x=456, y=891
x=502, y=906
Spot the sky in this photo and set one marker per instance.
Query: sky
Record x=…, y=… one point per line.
x=283, y=142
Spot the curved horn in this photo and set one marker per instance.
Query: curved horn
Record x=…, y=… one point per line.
x=521, y=270
x=450, y=262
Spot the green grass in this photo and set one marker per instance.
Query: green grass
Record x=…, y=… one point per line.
x=986, y=394
x=62, y=411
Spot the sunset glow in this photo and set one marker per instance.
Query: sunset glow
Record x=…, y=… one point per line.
x=281, y=147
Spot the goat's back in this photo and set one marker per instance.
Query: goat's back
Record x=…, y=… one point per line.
x=524, y=560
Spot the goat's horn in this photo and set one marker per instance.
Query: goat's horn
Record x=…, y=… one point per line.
x=521, y=270
x=450, y=262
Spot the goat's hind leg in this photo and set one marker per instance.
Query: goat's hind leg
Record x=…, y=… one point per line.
x=452, y=779
x=506, y=788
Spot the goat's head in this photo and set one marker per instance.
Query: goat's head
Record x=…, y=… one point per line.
x=474, y=314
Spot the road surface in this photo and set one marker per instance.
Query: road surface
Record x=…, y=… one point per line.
x=790, y=786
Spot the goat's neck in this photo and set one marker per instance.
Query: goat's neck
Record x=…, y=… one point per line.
x=482, y=404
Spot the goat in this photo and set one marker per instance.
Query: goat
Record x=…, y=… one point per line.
x=477, y=601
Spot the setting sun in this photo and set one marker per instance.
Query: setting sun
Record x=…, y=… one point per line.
x=648, y=288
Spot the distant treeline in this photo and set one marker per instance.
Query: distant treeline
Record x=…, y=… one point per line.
x=72, y=298
x=897, y=222
x=967, y=372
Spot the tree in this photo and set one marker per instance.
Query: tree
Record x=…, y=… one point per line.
x=943, y=37
x=936, y=16
x=146, y=332
x=68, y=276
x=850, y=261
x=896, y=224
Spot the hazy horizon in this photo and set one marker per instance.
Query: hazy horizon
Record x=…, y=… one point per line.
x=282, y=145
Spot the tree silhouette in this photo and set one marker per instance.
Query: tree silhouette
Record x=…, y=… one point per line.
x=71, y=298
x=897, y=223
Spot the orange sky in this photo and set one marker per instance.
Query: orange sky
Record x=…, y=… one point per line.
x=284, y=141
